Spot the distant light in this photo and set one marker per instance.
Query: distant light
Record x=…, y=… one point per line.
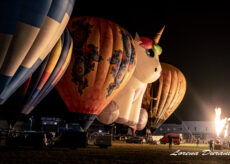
x=55, y=123
x=99, y=131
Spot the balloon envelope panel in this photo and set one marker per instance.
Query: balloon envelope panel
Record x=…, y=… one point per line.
x=143, y=119
x=47, y=75
x=27, y=35
x=110, y=114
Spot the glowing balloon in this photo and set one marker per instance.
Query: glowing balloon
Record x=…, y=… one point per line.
x=29, y=29
x=163, y=97
x=103, y=61
x=42, y=81
x=148, y=70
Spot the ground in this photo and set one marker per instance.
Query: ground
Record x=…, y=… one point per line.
x=119, y=152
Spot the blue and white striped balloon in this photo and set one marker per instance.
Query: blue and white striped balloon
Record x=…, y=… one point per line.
x=29, y=29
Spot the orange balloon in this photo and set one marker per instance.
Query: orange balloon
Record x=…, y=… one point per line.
x=104, y=58
x=163, y=97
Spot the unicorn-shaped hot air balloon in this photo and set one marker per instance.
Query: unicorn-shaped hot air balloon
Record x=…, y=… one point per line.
x=129, y=100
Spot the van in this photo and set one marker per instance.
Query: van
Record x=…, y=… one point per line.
x=177, y=138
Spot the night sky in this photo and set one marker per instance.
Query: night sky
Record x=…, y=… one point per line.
x=196, y=40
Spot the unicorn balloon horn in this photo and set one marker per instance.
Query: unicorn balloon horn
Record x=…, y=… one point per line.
x=157, y=37
x=156, y=48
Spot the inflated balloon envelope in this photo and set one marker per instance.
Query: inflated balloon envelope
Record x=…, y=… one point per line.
x=103, y=61
x=42, y=81
x=29, y=29
x=163, y=97
x=148, y=70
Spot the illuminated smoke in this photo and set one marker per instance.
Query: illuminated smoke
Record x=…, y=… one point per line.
x=226, y=131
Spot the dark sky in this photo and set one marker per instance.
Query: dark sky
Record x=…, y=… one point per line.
x=196, y=40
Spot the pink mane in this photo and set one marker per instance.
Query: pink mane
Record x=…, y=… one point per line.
x=146, y=42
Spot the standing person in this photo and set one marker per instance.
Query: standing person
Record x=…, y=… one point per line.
x=197, y=142
x=211, y=145
x=170, y=142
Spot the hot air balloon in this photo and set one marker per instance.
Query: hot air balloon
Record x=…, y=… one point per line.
x=29, y=29
x=41, y=82
x=163, y=97
x=148, y=70
x=103, y=60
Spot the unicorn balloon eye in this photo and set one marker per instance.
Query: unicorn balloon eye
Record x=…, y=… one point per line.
x=150, y=53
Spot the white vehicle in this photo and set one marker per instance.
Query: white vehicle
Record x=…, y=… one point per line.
x=154, y=139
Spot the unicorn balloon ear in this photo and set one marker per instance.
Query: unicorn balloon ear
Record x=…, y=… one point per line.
x=137, y=38
x=157, y=37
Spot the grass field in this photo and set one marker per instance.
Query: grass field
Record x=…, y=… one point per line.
x=119, y=152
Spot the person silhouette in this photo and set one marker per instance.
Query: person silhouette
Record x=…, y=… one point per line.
x=170, y=142
x=197, y=142
x=211, y=145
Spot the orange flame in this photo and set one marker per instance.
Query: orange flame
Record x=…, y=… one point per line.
x=220, y=124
